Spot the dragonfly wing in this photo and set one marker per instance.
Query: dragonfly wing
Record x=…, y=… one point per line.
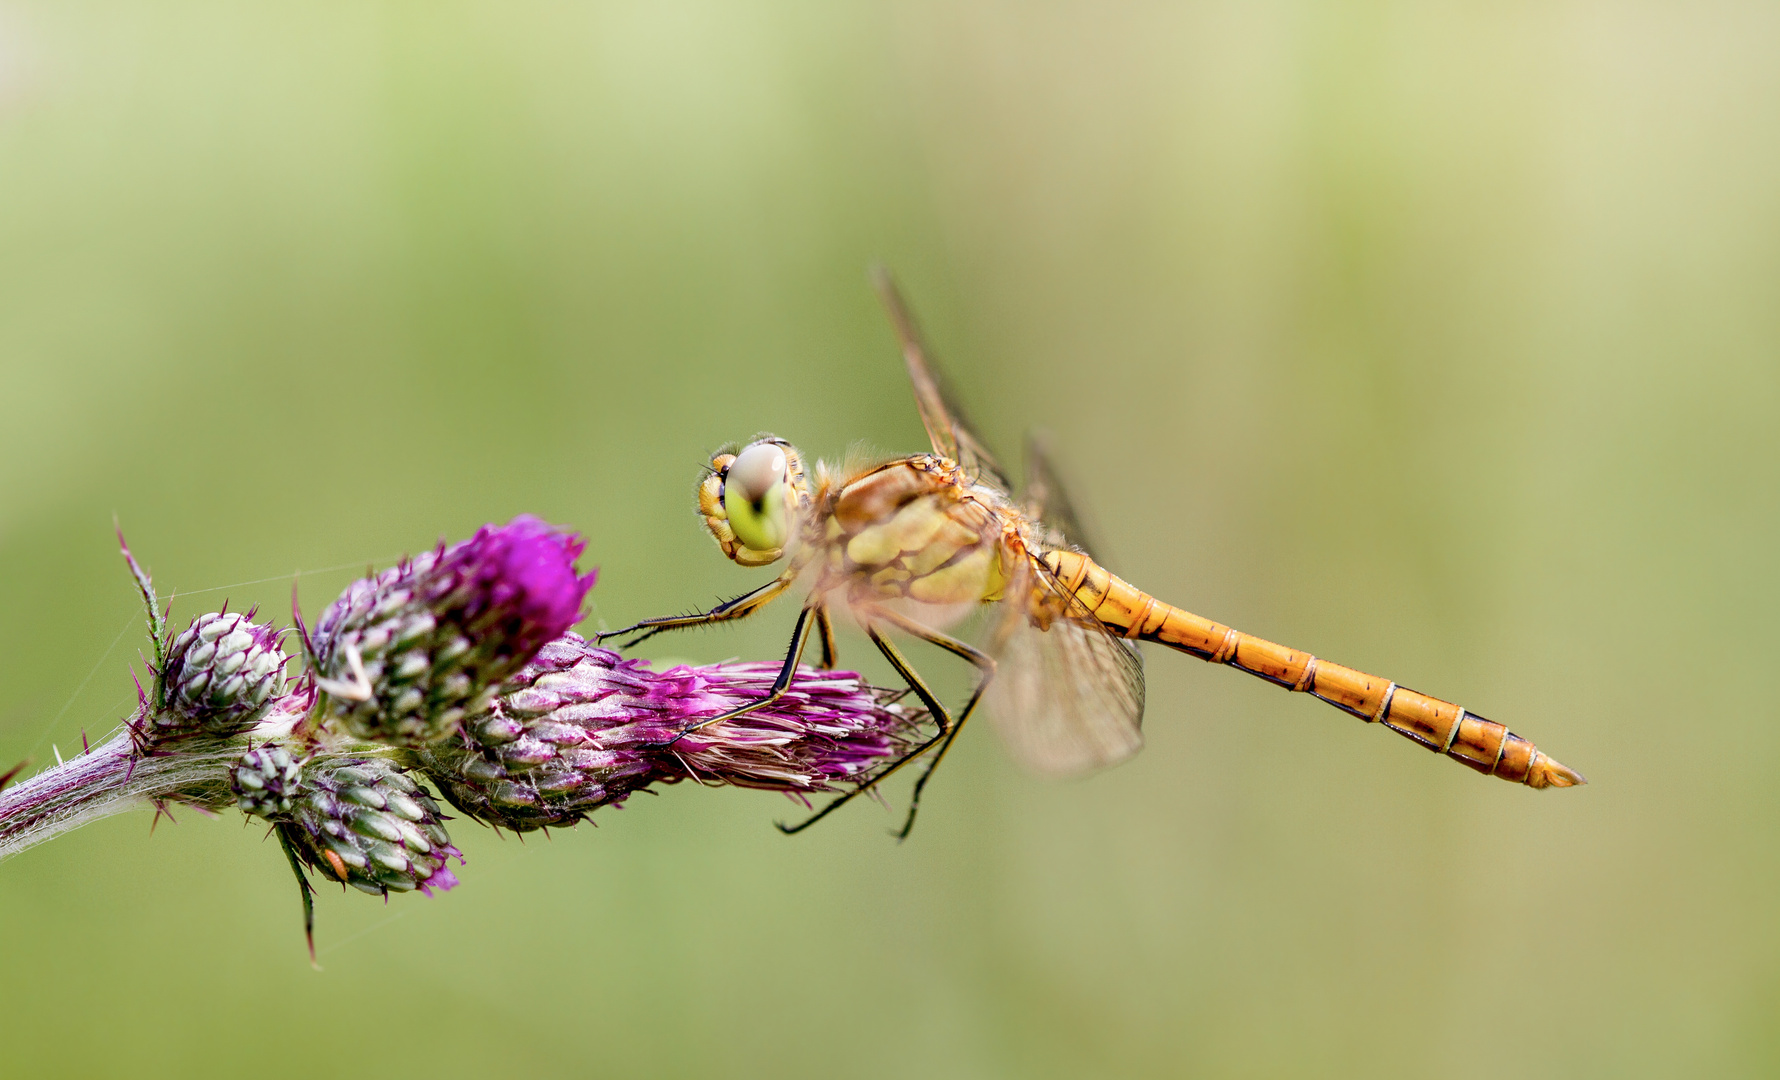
x=947, y=429
x=1067, y=698
x=1047, y=501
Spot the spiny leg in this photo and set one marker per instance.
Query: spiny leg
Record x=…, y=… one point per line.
x=948, y=728
x=941, y=718
x=730, y=610
x=984, y=664
x=825, y=629
x=800, y=638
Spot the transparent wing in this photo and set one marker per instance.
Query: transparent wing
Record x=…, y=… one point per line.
x=1068, y=698
x=946, y=427
x=1048, y=502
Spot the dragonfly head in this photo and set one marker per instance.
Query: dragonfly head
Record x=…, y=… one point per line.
x=752, y=498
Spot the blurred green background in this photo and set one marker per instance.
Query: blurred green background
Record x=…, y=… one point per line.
x=1440, y=340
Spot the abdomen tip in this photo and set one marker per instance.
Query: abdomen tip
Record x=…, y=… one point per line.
x=1549, y=772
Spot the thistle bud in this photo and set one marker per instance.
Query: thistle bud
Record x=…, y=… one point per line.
x=220, y=675
x=579, y=727
x=362, y=821
x=266, y=782
x=405, y=656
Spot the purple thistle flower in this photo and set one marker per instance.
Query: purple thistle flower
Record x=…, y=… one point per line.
x=581, y=727
x=403, y=657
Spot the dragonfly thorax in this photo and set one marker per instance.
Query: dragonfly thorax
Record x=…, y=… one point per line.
x=913, y=529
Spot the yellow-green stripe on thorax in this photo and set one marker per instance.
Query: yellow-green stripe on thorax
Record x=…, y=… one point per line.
x=915, y=528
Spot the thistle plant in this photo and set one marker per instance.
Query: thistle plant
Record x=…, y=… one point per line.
x=579, y=728
x=266, y=782
x=219, y=678
x=403, y=657
x=454, y=672
x=357, y=820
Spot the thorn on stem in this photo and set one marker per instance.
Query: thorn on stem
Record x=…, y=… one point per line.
x=306, y=891
x=302, y=628
x=157, y=619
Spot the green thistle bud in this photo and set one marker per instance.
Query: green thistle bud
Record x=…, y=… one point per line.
x=266, y=782
x=363, y=822
x=220, y=675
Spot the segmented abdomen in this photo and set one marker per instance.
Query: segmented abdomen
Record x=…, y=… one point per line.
x=1441, y=726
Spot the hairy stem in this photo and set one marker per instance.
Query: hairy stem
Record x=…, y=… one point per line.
x=106, y=780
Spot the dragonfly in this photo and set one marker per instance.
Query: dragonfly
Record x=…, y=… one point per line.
x=912, y=544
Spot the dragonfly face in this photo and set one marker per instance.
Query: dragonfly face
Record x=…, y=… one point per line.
x=752, y=499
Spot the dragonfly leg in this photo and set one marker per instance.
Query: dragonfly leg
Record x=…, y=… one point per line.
x=825, y=628
x=800, y=638
x=730, y=610
x=985, y=664
x=942, y=718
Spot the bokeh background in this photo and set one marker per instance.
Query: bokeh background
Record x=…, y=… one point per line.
x=1440, y=340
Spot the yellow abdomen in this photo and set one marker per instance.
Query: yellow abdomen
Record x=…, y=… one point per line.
x=1441, y=726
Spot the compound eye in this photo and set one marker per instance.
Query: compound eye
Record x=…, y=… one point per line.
x=755, y=470
x=754, y=496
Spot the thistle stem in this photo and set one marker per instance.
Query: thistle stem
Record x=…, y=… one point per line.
x=108, y=779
